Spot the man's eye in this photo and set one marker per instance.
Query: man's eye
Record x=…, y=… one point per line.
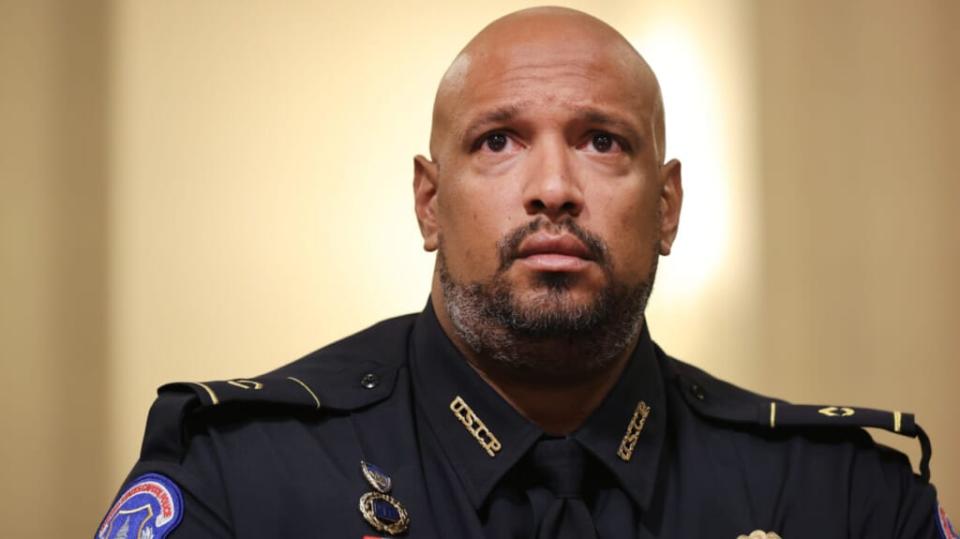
x=495, y=142
x=602, y=142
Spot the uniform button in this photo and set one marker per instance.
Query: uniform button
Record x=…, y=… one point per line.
x=697, y=392
x=370, y=380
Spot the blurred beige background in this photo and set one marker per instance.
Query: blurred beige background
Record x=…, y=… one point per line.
x=200, y=190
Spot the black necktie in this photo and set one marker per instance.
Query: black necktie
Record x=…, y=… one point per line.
x=560, y=465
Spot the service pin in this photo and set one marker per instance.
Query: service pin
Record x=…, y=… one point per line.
x=376, y=477
x=384, y=513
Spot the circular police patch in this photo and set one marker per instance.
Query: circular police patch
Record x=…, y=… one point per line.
x=149, y=508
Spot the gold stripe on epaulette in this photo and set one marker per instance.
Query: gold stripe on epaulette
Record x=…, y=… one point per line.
x=246, y=384
x=213, y=396
x=773, y=414
x=475, y=426
x=305, y=386
x=897, y=419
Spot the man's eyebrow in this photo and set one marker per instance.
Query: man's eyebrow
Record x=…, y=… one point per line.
x=599, y=117
x=497, y=115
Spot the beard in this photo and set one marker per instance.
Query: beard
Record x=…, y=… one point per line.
x=549, y=334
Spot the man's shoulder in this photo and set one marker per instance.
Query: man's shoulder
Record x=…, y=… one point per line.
x=816, y=459
x=727, y=406
x=356, y=371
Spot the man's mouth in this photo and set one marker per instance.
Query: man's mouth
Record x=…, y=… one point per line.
x=563, y=253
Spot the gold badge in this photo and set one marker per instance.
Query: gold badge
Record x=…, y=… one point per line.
x=759, y=534
x=475, y=426
x=629, y=442
x=384, y=513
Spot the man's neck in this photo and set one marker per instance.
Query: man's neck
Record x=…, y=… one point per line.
x=557, y=404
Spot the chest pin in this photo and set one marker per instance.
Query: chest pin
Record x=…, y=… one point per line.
x=378, y=508
x=376, y=477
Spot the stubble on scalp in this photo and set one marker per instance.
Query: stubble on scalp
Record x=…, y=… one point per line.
x=549, y=336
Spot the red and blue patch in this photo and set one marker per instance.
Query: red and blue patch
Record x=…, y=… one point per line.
x=947, y=531
x=150, y=508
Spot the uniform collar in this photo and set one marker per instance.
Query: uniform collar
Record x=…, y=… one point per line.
x=441, y=374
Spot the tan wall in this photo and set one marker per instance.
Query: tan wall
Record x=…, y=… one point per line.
x=53, y=267
x=205, y=190
x=861, y=211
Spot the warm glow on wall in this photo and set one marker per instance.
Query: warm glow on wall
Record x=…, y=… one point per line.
x=696, y=137
x=704, y=305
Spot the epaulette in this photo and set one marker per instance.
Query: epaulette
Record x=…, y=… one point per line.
x=719, y=400
x=357, y=371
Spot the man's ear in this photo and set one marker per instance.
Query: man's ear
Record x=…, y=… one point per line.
x=425, y=200
x=671, y=199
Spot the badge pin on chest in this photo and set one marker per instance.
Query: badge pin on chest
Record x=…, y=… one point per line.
x=378, y=508
x=376, y=477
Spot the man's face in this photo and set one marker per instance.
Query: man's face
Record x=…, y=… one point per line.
x=547, y=186
x=551, y=134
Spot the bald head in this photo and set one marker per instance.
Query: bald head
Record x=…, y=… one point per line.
x=521, y=48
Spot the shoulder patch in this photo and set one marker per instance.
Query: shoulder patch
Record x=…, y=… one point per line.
x=149, y=508
x=944, y=526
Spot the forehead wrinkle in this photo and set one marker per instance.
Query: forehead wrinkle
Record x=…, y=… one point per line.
x=573, y=96
x=553, y=60
x=524, y=76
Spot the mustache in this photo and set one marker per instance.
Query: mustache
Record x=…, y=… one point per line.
x=509, y=246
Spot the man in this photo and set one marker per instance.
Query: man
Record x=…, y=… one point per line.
x=527, y=399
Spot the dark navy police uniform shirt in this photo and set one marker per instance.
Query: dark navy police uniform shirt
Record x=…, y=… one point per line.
x=670, y=453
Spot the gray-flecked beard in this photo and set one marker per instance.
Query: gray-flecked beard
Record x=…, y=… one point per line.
x=550, y=335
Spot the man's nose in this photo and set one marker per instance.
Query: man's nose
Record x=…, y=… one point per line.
x=552, y=188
